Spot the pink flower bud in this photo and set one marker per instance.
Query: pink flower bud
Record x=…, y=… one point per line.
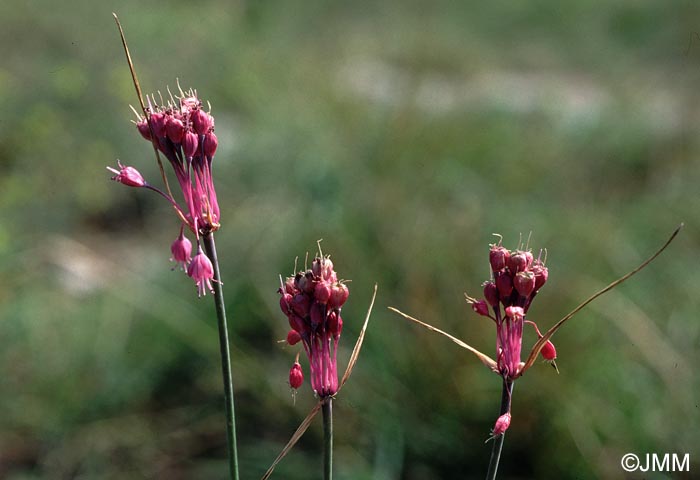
x=335, y=324
x=498, y=257
x=323, y=268
x=502, y=424
x=504, y=285
x=127, y=175
x=286, y=303
x=210, y=144
x=181, y=249
x=190, y=142
x=524, y=283
x=541, y=275
x=296, y=376
x=293, y=337
x=175, y=129
x=297, y=323
x=339, y=294
x=301, y=304
x=322, y=292
x=289, y=286
x=202, y=272
x=158, y=121
x=143, y=129
x=518, y=262
x=481, y=307
x=548, y=351
x=201, y=121
x=491, y=293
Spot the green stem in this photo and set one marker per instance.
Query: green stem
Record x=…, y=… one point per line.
x=328, y=439
x=210, y=248
x=498, y=441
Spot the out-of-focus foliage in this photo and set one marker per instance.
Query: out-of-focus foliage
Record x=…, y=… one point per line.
x=402, y=133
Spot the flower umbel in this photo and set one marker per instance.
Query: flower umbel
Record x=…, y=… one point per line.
x=183, y=132
x=516, y=278
x=312, y=301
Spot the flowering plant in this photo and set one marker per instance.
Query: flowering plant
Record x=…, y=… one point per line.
x=516, y=278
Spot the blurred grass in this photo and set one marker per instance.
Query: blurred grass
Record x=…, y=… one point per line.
x=403, y=134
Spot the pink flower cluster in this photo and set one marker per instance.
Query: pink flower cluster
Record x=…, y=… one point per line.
x=517, y=277
x=312, y=301
x=184, y=133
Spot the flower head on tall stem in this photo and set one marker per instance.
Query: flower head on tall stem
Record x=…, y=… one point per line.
x=312, y=301
x=516, y=279
x=183, y=132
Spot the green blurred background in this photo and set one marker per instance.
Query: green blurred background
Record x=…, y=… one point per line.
x=404, y=134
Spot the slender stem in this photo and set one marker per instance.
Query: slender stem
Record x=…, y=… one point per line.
x=498, y=441
x=210, y=248
x=328, y=439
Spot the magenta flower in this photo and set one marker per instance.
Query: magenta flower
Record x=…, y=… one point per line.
x=516, y=278
x=201, y=271
x=312, y=301
x=181, y=250
x=184, y=133
x=129, y=176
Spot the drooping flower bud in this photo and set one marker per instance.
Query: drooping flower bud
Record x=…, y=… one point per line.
x=286, y=303
x=335, y=324
x=548, y=351
x=127, y=175
x=498, y=257
x=502, y=424
x=491, y=293
x=524, y=283
x=190, y=142
x=541, y=275
x=322, y=292
x=181, y=249
x=297, y=323
x=210, y=144
x=339, y=294
x=504, y=285
x=293, y=337
x=201, y=121
x=481, y=307
x=202, y=272
x=296, y=376
x=175, y=129
x=158, y=121
x=301, y=304
x=143, y=128
x=518, y=262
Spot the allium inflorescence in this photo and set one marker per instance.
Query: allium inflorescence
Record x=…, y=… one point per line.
x=183, y=132
x=312, y=301
x=516, y=278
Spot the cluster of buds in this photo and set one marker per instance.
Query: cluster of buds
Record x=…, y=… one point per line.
x=184, y=133
x=516, y=279
x=312, y=301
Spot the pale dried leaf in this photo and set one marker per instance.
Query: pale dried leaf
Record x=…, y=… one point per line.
x=485, y=359
x=358, y=344
x=292, y=441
